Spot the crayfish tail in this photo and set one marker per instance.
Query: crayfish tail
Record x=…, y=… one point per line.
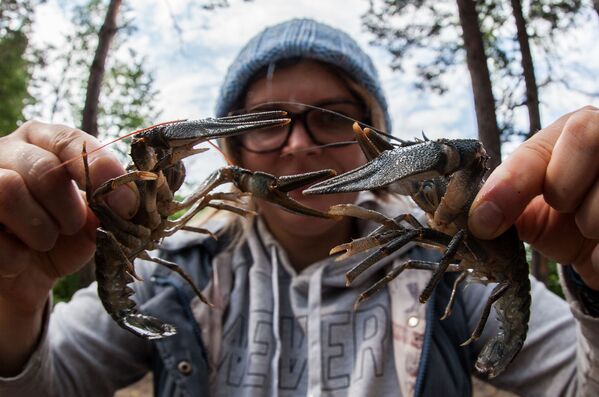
x=497, y=354
x=513, y=312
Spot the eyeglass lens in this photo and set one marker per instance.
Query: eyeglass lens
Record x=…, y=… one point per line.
x=322, y=126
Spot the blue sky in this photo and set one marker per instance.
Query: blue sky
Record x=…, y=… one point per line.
x=188, y=74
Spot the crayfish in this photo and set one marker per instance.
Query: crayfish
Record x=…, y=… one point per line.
x=443, y=178
x=158, y=172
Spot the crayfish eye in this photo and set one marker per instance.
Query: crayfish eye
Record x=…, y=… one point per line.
x=430, y=193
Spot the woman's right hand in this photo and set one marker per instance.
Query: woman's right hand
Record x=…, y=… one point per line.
x=46, y=229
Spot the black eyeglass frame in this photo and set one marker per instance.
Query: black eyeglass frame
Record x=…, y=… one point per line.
x=302, y=116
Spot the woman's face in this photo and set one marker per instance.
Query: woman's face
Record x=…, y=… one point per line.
x=310, y=83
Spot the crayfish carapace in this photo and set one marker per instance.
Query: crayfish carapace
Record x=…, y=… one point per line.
x=443, y=178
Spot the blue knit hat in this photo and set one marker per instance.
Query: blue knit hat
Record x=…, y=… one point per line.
x=300, y=38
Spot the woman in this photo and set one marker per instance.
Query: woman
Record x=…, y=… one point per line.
x=283, y=322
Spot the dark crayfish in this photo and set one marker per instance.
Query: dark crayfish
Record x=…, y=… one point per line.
x=442, y=177
x=158, y=172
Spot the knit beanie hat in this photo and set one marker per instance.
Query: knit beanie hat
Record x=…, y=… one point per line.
x=300, y=38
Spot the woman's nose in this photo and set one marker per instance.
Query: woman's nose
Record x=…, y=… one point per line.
x=299, y=140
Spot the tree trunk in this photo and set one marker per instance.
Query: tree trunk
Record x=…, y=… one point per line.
x=89, y=122
x=532, y=91
x=540, y=265
x=484, y=102
x=596, y=5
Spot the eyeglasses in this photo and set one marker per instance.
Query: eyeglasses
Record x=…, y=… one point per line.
x=325, y=123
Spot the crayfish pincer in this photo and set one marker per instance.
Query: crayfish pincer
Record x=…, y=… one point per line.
x=442, y=177
x=158, y=172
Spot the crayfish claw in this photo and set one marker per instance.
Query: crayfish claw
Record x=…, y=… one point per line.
x=288, y=183
x=340, y=248
x=146, y=326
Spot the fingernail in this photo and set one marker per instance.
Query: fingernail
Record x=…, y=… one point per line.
x=486, y=219
x=123, y=201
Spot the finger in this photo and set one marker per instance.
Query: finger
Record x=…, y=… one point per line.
x=587, y=215
x=37, y=230
x=595, y=261
x=513, y=184
x=574, y=166
x=55, y=191
x=589, y=268
x=14, y=256
x=65, y=259
x=66, y=143
x=559, y=237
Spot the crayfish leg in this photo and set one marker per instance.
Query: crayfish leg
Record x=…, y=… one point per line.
x=452, y=248
x=234, y=209
x=200, y=230
x=114, y=183
x=356, y=211
x=396, y=271
x=379, y=254
x=499, y=290
x=452, y=297
x=364, y=243
x=174, y=267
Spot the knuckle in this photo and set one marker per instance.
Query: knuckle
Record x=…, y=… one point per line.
x=559, y=199
x=39, y=166
x=589, y=107
x=587, y=226
x=539, y=150
x=45, y=242
x=64, y=136
x=581, y=129
x=11, y=187
x=29, y=125
x=13, y=261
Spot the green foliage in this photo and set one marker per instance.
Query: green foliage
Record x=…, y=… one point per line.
x=126, y=101
x=15, y=66
x=552, y=16
x=552, y=281
x=430, y=29
x=127, y=93
x=14, y=78
x=65, y=288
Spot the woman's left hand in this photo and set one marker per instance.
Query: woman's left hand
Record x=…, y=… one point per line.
x=549, y=187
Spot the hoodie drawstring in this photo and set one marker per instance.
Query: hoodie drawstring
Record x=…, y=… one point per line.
x=275, y=321
x=314, y=337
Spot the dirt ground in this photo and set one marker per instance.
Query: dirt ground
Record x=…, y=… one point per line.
x=140, y=389
x=144, y=388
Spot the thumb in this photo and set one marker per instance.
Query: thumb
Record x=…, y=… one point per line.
x=513, y=184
